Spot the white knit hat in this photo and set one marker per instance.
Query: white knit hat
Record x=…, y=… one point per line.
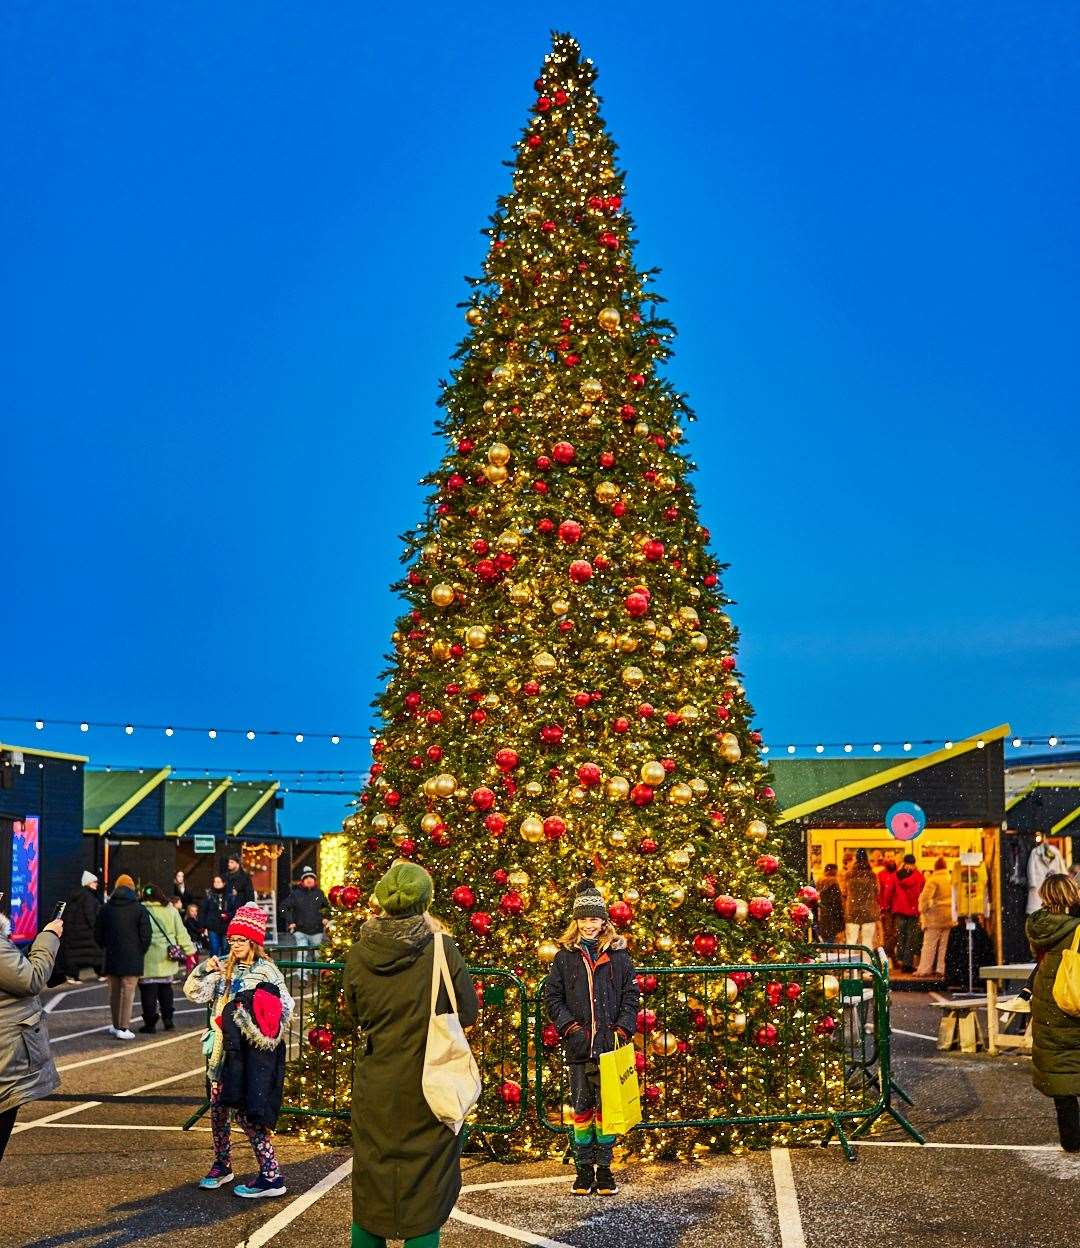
x=88, y=877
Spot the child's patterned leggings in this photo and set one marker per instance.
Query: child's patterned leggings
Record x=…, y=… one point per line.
x=591, y=1146
x=258, y=1137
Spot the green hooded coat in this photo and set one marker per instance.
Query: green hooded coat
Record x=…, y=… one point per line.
x=406, y=1164
x=1055, y=1055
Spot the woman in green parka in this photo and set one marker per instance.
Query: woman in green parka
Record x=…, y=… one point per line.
x=406, y=1163
x=1055, y=1054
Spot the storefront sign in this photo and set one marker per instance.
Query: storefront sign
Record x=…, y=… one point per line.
x=205, y=844
x=905, y=821
x=24, y=878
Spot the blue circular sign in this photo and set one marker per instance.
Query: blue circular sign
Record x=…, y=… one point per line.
x=905, y=820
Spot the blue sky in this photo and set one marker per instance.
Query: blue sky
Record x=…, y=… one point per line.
x=234, y=239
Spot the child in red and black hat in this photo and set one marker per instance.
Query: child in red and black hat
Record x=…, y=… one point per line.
x=250, y=1009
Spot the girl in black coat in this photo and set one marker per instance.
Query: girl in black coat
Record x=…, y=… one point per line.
x=123, y=930
x=592, y=998
x=214, y=915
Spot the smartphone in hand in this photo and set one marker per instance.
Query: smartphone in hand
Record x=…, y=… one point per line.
x=58, y=913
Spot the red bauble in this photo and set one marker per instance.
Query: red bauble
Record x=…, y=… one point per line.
x=628, y=411
x=607, y=459
x=550, y=1036
x=455, y=481
x=726, y=907
x=767, y=1036
x=620, y=724
x=636, y=380
x=641, y=794
x=620, y=913
x=672, y=719
x=793, y=991
x=506, y=760
x=510, y=1092
x=483, y=798
x=530, y=688
x=478, y=716
x=434, y=717
x=728, y=663
x=646, y=1020
x=407, y=847
x=808, y=893
x=767, y=864
x=698, y=1021
x=554, y=827
x=500, y=875
x=548, y=227
x=645, y=710
x=350, y=895
x=760, y=908
x=582, y=700
x=321, y=1039
x=412, y=699
x=636, y=605
x=825, y=1026
x=551, y=734
x=563, y=452
x=705, y=944
x=512, y=902
x=588, y=774
x=560, y=98
x=768, y=793
x=609, y=240
x=464, y=897
x=441, y=838
x=640, y=1062
x=534, y=141
x=650, y=1094
x=709, y=580
x=495, y=824
x=334, y=895
x=800, y=914
x=741, y=979
x=668, y=764
x=581, y=571
x=392, y=798
x=480, y=922
x=566, y=626
x=648, y=845
x=618, y=509
x=647, y=983
x=653, y=550
x=570, y=531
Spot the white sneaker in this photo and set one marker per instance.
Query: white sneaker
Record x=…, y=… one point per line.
x=112, y=1030
x=124, y=1035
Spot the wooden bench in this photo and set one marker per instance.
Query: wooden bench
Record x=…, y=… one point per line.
x=961, y=1025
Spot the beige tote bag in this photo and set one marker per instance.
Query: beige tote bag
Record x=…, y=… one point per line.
x=451, y=1076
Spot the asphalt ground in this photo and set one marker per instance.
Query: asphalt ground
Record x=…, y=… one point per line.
x=104, y=1164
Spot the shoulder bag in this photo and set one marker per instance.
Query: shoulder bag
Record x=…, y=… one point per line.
x=451, y=1080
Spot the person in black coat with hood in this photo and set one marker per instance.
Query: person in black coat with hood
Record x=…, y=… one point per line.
x=79, y=947
x=238, y=886
x=592, y=997
x=123, y=930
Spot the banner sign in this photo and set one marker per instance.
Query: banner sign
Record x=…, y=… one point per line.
x=24, y=878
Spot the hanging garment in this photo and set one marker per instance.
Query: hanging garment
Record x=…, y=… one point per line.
x=956, y=956
x=1045, y=860
x=969, y=890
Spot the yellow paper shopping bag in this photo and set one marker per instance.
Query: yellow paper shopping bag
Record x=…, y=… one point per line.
x=620, y=1097
x=1067, y=980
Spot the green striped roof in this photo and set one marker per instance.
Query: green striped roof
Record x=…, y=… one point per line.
x=105, y=792
x=183, y=797
x=798, y=780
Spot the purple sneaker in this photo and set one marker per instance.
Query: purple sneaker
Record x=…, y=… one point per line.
x=218, y=1175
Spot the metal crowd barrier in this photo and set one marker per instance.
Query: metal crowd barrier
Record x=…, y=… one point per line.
x=692, y=1021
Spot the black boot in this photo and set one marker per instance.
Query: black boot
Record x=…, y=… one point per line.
x=147, y=1029
x=605, y=1183
x=1068, y=1118
x=168, y=1024
x=585, y=1183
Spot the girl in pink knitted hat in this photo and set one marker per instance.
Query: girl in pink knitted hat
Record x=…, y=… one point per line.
x=250, y=1008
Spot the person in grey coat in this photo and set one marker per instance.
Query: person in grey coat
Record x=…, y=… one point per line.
x=27, y=1070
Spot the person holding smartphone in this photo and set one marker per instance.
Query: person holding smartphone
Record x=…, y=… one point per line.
x=27, y=1070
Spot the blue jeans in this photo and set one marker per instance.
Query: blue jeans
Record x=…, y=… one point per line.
x=218, y=944
x=308, y=940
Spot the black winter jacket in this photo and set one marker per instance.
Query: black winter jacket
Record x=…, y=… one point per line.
x=598, y=999
x=78, y=946
x=239, y=890
x=305, y=907
x=123, y=930
x=253, y=1074
x=213, y=912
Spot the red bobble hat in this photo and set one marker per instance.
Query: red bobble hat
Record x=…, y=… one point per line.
x=250, y=922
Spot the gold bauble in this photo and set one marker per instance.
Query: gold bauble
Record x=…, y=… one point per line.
x=617, y=788
x=518, y=880
x=495, y=473
x=582, y=138
x=658, y=649
x=501, y=375
x=631, y=896
x=742, y=910
x=699, y=787
x=731, y=754
x=665, y=942
x=649, y=626
x=560, y=606
x=641, y=429
x=430, y=822
x=664, y=633
x=547, y=951
x=688, y=615
x=429, y=787
x=677, y=860
x=699, y=642
x=736, y=1023
x=534, y=788
x=606, y=641
x=617, y=838
x=445, y=784
x=509, y=539
x=731, y=989
x=441, y=650
x=476, y=637
x=607, y=492
x=474, y=316
x=544, y=662
x=757, y=829
x=430, y=550
x=652, y=772
x=665, y=482
x=609, y=319
x=533, y=216
x=519, y=594
x=380, y=822
x=830, y=986
x=689, y=713
x=532, y=829
x=607, y=174
x=489, y=406
x=675, y=896
x=633, y=677
x=592, y=389
x=399, y=833
x=442, y=595
x=577, y=794
x=680, y=794
x=627, y=643
x=664, y=1043
x=498, y=453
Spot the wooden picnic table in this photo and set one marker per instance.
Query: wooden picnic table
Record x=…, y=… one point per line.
x=1017, y=972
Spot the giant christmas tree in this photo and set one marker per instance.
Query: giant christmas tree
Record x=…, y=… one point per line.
x=564, y=692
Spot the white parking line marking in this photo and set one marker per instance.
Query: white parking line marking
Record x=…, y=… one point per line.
x=917, y=1035
x=787, y=1200
x=116, y=1126
x=508, y=1232
x=126, y=1051
x=75, y=1035
x=490, y=1187
x=1015, y=1148
x=84, y=1105
x=296, y=1207
x=53, y=1002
